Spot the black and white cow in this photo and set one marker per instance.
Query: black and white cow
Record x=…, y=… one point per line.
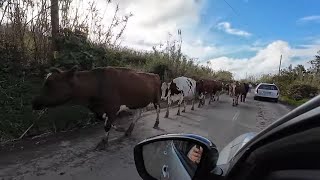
x=180, y=89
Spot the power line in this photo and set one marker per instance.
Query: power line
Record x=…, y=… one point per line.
x=231, y=7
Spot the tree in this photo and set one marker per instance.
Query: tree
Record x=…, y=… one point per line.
x=316, y=63
x=54, y=26
x=224, y=75
x=299, y=69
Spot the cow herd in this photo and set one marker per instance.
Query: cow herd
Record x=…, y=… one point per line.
x=110, y=90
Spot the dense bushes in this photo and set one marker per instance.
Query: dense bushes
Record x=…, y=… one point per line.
x=299, y=91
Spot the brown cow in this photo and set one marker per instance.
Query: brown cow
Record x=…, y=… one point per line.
x=208, y=86
x=217, y=89
x=239, y=89
x=105, y=91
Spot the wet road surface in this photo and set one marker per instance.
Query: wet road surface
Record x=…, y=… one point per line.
x=71, y=155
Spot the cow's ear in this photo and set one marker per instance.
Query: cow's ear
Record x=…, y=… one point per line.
x=55, y=70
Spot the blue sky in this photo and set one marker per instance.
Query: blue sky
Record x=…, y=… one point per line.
x=266, y=21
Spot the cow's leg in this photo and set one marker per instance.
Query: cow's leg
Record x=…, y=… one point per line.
x=233, y=101
x=192, y=107
x=184, y=106
x=136, y=117
x=237, y=100
x=179, y=103
x=200, y=99
x=211, y=98
x=203, y=100
x=168, y=106
x=107, y=127
x=156, y=124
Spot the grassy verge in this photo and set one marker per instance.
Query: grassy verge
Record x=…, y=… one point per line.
x=292, y=102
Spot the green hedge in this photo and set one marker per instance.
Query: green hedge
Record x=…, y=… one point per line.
x=299, y=91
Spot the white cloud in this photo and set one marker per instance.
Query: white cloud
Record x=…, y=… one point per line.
x=198, y=49
x=266, y=60
x=153, y=20
x=226, y=26
x=314, y=18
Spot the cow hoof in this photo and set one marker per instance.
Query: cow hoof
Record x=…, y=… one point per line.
x=183, y=111
x=129, y=131
x=127, y=134
x=178, y=113
x=192, y=108
x=156, y=125
x=102, y=145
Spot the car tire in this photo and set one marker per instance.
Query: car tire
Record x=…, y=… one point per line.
x=276, y=100
x=255, y=98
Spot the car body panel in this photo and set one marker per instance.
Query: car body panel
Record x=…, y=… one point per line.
x=229, y=151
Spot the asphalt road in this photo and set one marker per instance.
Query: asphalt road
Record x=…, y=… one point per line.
x=70, y=155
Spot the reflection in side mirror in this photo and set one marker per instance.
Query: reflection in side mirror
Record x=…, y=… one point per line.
x=172, y=159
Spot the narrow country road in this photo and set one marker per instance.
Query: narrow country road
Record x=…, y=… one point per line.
x=70, y=155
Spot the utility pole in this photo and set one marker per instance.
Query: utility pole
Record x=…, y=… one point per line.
x=280, y=65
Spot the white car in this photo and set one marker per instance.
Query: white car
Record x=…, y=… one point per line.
x=268, y=91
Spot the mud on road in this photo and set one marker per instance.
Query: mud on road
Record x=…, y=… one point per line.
x=71, y=155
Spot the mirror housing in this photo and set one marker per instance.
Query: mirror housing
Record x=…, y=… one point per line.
x=205, y=167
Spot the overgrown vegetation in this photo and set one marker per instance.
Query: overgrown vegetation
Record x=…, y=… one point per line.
x=25, y=50
x=297, y=84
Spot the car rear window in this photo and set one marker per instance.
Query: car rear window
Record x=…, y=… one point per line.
x=268, y=87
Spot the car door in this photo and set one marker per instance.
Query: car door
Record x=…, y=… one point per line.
x=288, y=149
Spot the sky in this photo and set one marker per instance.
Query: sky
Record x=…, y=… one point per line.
x=245, y=37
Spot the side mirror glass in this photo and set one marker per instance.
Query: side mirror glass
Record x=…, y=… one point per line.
x=178, y=156
x=172, y=159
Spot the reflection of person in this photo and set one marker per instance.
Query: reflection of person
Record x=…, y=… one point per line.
x=189, y=154
x=190, y=150
x=195, y=154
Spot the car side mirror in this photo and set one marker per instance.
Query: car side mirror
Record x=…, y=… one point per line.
x=176, y=156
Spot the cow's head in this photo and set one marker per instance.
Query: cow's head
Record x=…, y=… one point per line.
x=57, y=89
x=165, y=87
x=234, y=86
